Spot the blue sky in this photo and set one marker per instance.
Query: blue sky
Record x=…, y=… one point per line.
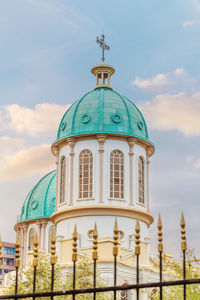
x=47, y=51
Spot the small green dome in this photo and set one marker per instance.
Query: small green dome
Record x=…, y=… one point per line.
x=40, y=202
x=103, y=111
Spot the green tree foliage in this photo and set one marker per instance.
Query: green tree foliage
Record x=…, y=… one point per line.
x=174, y=269
x=63, y=280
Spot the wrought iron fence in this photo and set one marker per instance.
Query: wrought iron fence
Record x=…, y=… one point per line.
x=114, y=288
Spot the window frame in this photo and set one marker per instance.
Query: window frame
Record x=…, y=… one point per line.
x=121, y=176
x=32, y=229
x=85, y=191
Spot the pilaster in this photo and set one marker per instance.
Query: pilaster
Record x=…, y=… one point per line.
x=39, y=233
x=131, y=143
x=44, y=225
x=148, y=153
x=24, y=242
x=71, y=143
x=101, y=138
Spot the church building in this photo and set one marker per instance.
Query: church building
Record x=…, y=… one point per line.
x=102, y=155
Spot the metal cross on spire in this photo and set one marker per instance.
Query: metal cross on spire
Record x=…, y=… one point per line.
x=103, y=45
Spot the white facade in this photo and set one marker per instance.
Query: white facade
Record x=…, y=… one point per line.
x=109, y=146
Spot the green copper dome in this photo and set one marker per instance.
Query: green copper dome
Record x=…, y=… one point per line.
x=103, y=111
x=40, y=202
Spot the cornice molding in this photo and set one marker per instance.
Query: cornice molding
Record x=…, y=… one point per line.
x=129, y=139
x=102, y=210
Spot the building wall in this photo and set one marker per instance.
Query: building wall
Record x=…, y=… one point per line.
x=8, y=255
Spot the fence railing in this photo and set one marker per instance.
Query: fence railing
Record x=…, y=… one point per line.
x=138, y=286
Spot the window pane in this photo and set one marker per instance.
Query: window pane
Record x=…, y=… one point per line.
x=116, y=174
x=85, y=170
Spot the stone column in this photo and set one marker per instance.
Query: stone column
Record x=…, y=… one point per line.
x=131, y=143
x=101, y=138
x=71, y=143
x=24, y=242
x=39, y=233
x=21, y=243
x=44, y=225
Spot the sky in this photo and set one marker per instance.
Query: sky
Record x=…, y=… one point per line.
x=47, y=49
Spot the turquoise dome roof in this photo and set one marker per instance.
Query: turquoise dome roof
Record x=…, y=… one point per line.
x=103, y=111
x=40, y=202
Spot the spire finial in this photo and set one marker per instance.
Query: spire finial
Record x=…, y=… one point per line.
x=102, y=44
x=102, y=71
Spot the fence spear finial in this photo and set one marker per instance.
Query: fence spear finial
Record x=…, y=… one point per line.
x=53, y=247
x=137, y=238
x=35, y=251
x=115, y=239
x=95, y=243
x=74, y=252
x=183, y=236
x=160, y=238
x=17, y=251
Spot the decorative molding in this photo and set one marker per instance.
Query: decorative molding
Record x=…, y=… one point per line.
x=143, y=143
x=102, y=210
x=29, y=222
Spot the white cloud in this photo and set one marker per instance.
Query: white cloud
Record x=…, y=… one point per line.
x=180, y=111
x=9, y=145
x=27, y=162
x=190, y=23
x=171, y=81
x=43, y=118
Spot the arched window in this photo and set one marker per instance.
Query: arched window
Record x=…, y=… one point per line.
x=52, y=229
x=85, y=174
x=141, y=179
x=62, y=179
x=117, y=174
x=31, y=239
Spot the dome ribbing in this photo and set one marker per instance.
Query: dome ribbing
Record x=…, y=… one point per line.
x=40, y=202
x=103, y=111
